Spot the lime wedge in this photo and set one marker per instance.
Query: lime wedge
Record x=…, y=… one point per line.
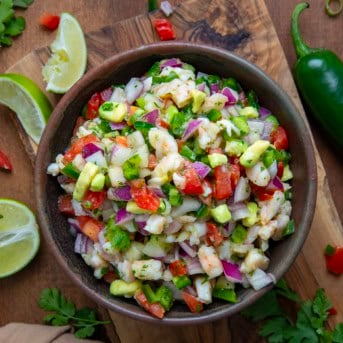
x=19, y=237
x=25, y=98
x=69, y=56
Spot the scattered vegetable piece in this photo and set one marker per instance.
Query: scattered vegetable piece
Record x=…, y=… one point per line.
x=164, y=29
x=334, y=259
x=49, y=21
x=166, y=8
x=5, y=162
x=152, y=5
x=65, y=313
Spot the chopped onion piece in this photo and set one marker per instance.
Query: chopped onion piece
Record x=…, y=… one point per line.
x=232, y=96
x=133, y=89
x=188, y=249
x=259, y=279
x=90, y=149
x=192, y=127
x=242, y=191
x=202, y=169
x=166, y=8
x=123, y=216
x=118, y=126
x=151, y=117
x=120, y=193
x=231, y=271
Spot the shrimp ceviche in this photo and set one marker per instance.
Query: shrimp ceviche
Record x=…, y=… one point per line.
x=175, y=183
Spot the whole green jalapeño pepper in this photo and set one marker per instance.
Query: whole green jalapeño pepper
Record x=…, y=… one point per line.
x=318, y=74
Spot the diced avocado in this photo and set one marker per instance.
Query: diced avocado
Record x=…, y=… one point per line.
x=287, y=173
x=83, y=182
x=221, y=214
x=98, y=183
x=242, y=124
x=235, y=147
x=251, y=156
x=217, y=159
x=198, y=99
x=132, y=207
x=252, y=219
x=249, y=112
x=113, y=111
x=122, y=288
x=170, y=112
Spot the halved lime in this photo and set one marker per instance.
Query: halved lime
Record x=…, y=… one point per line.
x=19, y=236
x=69, y=56
x=25, y=98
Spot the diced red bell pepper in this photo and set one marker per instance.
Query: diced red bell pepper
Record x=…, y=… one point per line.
x=213, y=235
x=110, y=276
x=93, y=200
x=278, y=137
x=93, y=105
x=164, y=29
x=194, y=305
x=280, y=169
x=235, y=173
x=90, y=227
x=178, y=268
x=193, y=184
x=156, y=309
x=65, y=205
x=5, y=162
x=261, y=192
x=334, y=260
x=143, y=197
x=49, y=21
x=222, y=183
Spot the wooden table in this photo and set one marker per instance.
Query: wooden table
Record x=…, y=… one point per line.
x=18, y=298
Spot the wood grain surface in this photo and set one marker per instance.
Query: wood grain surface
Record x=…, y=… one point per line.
x=249, y=22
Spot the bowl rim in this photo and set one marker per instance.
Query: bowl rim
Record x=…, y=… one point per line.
x=55, y=121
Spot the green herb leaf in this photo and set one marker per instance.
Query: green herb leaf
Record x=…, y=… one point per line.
x=337, y=334
x=85, y=314
x=274, y=329
x=283, y=290
x=85, y=332
x=22, y=3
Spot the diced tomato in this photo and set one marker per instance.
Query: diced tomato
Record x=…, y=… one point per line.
x=261, y=192
x=49, y=21
x=177, y=268
x=79, y=122
x=122, y=140
x=207, y=200
x=235, y=160
x=110, y=276
x=65, y=205
x=162, y=123
x=77, y=146
x=164, y=29
x=105, y=95
x=145, y=198
x=93, y=106
x=235, y=173
x=194, y=305
x=280, y=168
x=152, y=162
x=278, y=137
x=215, y=151
x=334, y=262
x=156, y=309
x=93, y=200
x=5, y=162
x=332, y=311
x=137, y=183
x=90, y=227
x=193, y=184
x=213, y=235
x=222, y=183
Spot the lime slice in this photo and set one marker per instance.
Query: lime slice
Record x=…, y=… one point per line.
x=25, y=98
x=69, y=56
x=19, y=237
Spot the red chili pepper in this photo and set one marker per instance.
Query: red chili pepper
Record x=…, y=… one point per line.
x=332, y=311
x=164, y=29
x=49, y=21
x=334, y=259
x=5, y=162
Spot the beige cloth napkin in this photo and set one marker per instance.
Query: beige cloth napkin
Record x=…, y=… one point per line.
x=32, y=333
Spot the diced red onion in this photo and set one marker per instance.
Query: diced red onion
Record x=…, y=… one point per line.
x=173, y=227
x=118, y=95
x=237, y=206
x=106, y=94
x=228, y=228
x=192, y=127
x=157, y=191
x=173, y=62
x=147, y=83
x=242, y=97
x=275, y=185
x=231, y=271
x=90, y=149
x=202, y=169
x=78, y=209
x=74, y=223
x=123, y=216
x=101, y=237
x=268, y=127
x=133, y=89
x=151, y=117
x=240, y=213
x=83, y=245
x=194, y=266
x=272, y=169
x=230, y=94
x=201, y=87
x=188, y=249
x=214, y=88
x=141, y=229
x=166, y=8
x=118, y=126
x=259, y=279
x=190, y=290
x=242, y=191
x=120, y=193
x=264, y=112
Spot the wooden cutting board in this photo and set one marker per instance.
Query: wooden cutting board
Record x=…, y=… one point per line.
x=245, y=28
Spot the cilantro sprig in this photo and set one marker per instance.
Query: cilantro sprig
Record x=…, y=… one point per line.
x=309, y=324
x=65, y=313
x=11, y=26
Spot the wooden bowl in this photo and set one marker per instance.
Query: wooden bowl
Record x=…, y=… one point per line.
x=119, y=69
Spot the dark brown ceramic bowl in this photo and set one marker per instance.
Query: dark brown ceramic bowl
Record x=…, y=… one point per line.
x=119, y=69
